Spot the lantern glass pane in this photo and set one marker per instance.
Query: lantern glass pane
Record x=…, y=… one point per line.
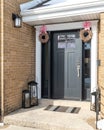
x=33, y=91
x=18, y=22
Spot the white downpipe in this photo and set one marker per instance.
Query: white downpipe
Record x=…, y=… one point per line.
x=2, y=62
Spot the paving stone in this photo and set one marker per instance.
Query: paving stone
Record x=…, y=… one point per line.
x=12, y=127
x=38, y=117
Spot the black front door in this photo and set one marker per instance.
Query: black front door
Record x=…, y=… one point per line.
x=67, y=65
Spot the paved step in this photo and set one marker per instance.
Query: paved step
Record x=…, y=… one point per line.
x=12, y=127
x=71, y=103
x=37, y=117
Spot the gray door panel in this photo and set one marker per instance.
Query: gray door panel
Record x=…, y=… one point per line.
x=58, y=70
x=67, y=67
x=73, y=72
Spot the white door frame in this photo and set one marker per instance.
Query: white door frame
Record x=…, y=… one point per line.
x=69, y=26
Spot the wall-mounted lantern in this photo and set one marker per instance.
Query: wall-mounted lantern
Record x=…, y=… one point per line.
x=17, y=20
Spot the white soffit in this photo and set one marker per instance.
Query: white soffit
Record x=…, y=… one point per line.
x=66, y=12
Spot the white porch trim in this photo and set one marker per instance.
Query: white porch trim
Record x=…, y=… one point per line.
x=63, y=12
x=69, y=26
x=94, y=48
x=38, y=63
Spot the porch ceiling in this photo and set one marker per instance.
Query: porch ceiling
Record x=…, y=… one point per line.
x=63, y=19
x=63, y=13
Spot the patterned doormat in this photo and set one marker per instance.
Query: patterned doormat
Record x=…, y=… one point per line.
x=63, y=109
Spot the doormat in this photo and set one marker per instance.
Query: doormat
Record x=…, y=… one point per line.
x=63, y=109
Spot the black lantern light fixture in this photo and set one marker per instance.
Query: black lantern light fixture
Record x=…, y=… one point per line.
x=25, y=99
x=32, y=85
x=17, y=20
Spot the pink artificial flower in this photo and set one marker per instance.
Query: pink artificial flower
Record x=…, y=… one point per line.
x=43, y=29
x=87, y=25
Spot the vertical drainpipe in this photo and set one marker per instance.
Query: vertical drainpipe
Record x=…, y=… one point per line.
x=2, y=63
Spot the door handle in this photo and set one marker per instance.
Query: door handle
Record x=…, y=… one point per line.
x=78, y=70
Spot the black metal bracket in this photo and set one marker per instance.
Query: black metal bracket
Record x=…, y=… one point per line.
x=14, y=16
x=98, y=62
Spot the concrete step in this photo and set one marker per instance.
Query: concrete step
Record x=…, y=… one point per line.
x=13, y=127
x=37, y=117
x=71, y=103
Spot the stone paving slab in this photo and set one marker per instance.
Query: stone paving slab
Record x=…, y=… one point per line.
x=12, y=127
x=37, y=117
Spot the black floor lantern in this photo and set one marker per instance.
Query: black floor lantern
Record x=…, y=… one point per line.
x=25, y=99
x=33, y=90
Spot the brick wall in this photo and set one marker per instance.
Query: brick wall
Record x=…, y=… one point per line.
x=0, y=53
x=1, y=32
x=20, y=57
x=19, y=61
x=101, y=57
